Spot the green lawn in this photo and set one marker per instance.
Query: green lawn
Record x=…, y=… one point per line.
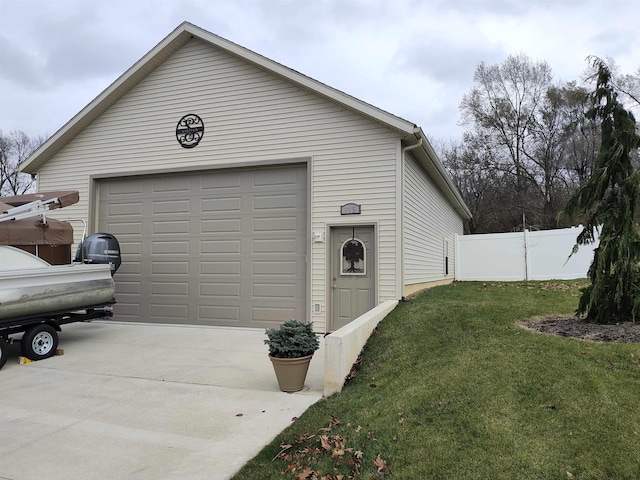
x=448, y=387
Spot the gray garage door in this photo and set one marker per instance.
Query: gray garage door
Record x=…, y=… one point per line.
x=216, y=248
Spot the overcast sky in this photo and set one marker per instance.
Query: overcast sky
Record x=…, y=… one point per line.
x=413, y=58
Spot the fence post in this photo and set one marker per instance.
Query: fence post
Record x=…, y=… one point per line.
x=526, y=256
x=456, y=246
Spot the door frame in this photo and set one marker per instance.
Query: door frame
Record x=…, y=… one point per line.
x=329, y=264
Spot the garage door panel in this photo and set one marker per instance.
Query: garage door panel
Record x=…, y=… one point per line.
x=125, y=228
x=269, y=315
x=275, y=224
x=124, y=287
x=170, y=268
x=170, y=247
x=129, y=267
x=271, y=268
x=170, y=288
x=171, y=184
x=224, y=314
x=128, y=310
x=222, y=267
x=171, y=227
x=223, y=205
x=221, y=226
x=274, y=290
x=171, y=207
x=128, y=248
x=124, y=187
x=165, y=311
x=219, y=248
x=275, y=246
x=221, y=289
x=124, y=209
x=222, y=180
x=279, y=178
x=275, y=202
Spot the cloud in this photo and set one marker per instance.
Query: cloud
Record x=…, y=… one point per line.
x=446, y=61
x=616, y=41
x=413, y=58
x=18, y=65
x=71, y=44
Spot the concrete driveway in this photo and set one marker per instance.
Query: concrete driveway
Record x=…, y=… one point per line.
x=142, y=401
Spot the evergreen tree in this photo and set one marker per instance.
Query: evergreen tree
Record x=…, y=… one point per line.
x=607, y=202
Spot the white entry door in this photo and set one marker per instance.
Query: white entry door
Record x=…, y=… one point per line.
x=352, y=273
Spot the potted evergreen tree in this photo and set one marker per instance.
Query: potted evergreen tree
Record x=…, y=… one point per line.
x=291, y=346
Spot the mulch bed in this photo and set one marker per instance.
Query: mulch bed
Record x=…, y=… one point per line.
x=623, y=332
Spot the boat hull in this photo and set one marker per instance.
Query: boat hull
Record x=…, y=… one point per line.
x=55, y=288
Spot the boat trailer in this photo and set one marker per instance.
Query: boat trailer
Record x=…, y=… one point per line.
x=40, y=332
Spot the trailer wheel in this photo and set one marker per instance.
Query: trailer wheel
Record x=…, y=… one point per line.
x=3, y=352
x=39, y=342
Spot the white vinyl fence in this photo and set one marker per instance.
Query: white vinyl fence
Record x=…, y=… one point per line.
x=538, y=255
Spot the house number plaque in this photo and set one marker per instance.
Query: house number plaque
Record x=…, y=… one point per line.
x=350, y=209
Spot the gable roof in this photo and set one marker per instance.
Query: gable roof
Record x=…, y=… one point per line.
x=178, y=38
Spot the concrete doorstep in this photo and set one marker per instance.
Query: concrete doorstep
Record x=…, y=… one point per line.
x=145, y=401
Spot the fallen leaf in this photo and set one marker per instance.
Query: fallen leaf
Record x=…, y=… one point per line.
x=359, y=454
x=324, y=440
x=293, y=419
x=380, y=463
x=337, y=453
x=304, y=475
x=239, y=414
x=334, y=421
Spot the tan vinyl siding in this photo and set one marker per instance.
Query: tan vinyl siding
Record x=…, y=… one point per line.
x=251, y=116
x=429, y=220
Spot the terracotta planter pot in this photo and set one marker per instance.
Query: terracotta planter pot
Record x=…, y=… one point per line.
x=291, y=372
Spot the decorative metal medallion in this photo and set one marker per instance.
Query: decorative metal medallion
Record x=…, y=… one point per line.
x=190, y=130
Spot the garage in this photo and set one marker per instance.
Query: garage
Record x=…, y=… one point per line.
x=219, y=247
x=234, y=184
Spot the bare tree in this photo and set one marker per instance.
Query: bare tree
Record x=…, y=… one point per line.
x=483, y=188
x=502, y=107
x=15, y=148
x=529, y=142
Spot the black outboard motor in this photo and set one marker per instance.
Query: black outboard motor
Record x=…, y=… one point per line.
x=100, y=248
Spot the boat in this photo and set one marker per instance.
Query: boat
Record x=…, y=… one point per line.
x=40, y=287
x=31, y=286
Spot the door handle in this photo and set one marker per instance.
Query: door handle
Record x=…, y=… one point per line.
x=335, y=286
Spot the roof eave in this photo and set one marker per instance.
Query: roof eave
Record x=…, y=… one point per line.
x=429, y=160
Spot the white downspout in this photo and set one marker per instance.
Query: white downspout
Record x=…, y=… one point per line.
x=401, y=229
